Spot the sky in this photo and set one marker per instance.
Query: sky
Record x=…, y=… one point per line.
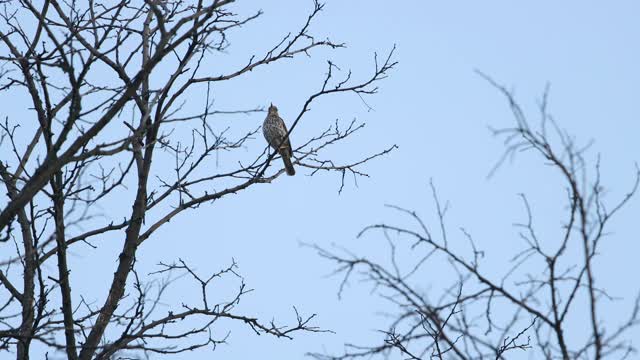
x=437, y=110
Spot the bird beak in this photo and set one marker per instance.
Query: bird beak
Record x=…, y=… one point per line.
x=271, y=105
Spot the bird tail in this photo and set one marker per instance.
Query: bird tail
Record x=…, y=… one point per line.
x=288, y=166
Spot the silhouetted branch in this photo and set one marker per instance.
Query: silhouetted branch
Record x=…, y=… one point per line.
x=121, y=97
x=551, y=279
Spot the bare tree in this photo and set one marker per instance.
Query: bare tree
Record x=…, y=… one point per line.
x=107, y=84
x=549, y=292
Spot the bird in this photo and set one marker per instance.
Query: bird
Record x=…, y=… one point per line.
x=275, y=132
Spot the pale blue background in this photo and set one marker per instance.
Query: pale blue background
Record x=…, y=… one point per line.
x=436, y=109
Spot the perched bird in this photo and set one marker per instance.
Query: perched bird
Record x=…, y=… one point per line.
x=275, y=131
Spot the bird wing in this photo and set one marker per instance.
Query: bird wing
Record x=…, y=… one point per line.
x=287, y=143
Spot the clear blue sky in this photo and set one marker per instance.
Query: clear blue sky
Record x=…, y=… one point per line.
x=436, y=109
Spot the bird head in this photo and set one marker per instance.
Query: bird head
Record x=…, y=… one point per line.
x=273, y=109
